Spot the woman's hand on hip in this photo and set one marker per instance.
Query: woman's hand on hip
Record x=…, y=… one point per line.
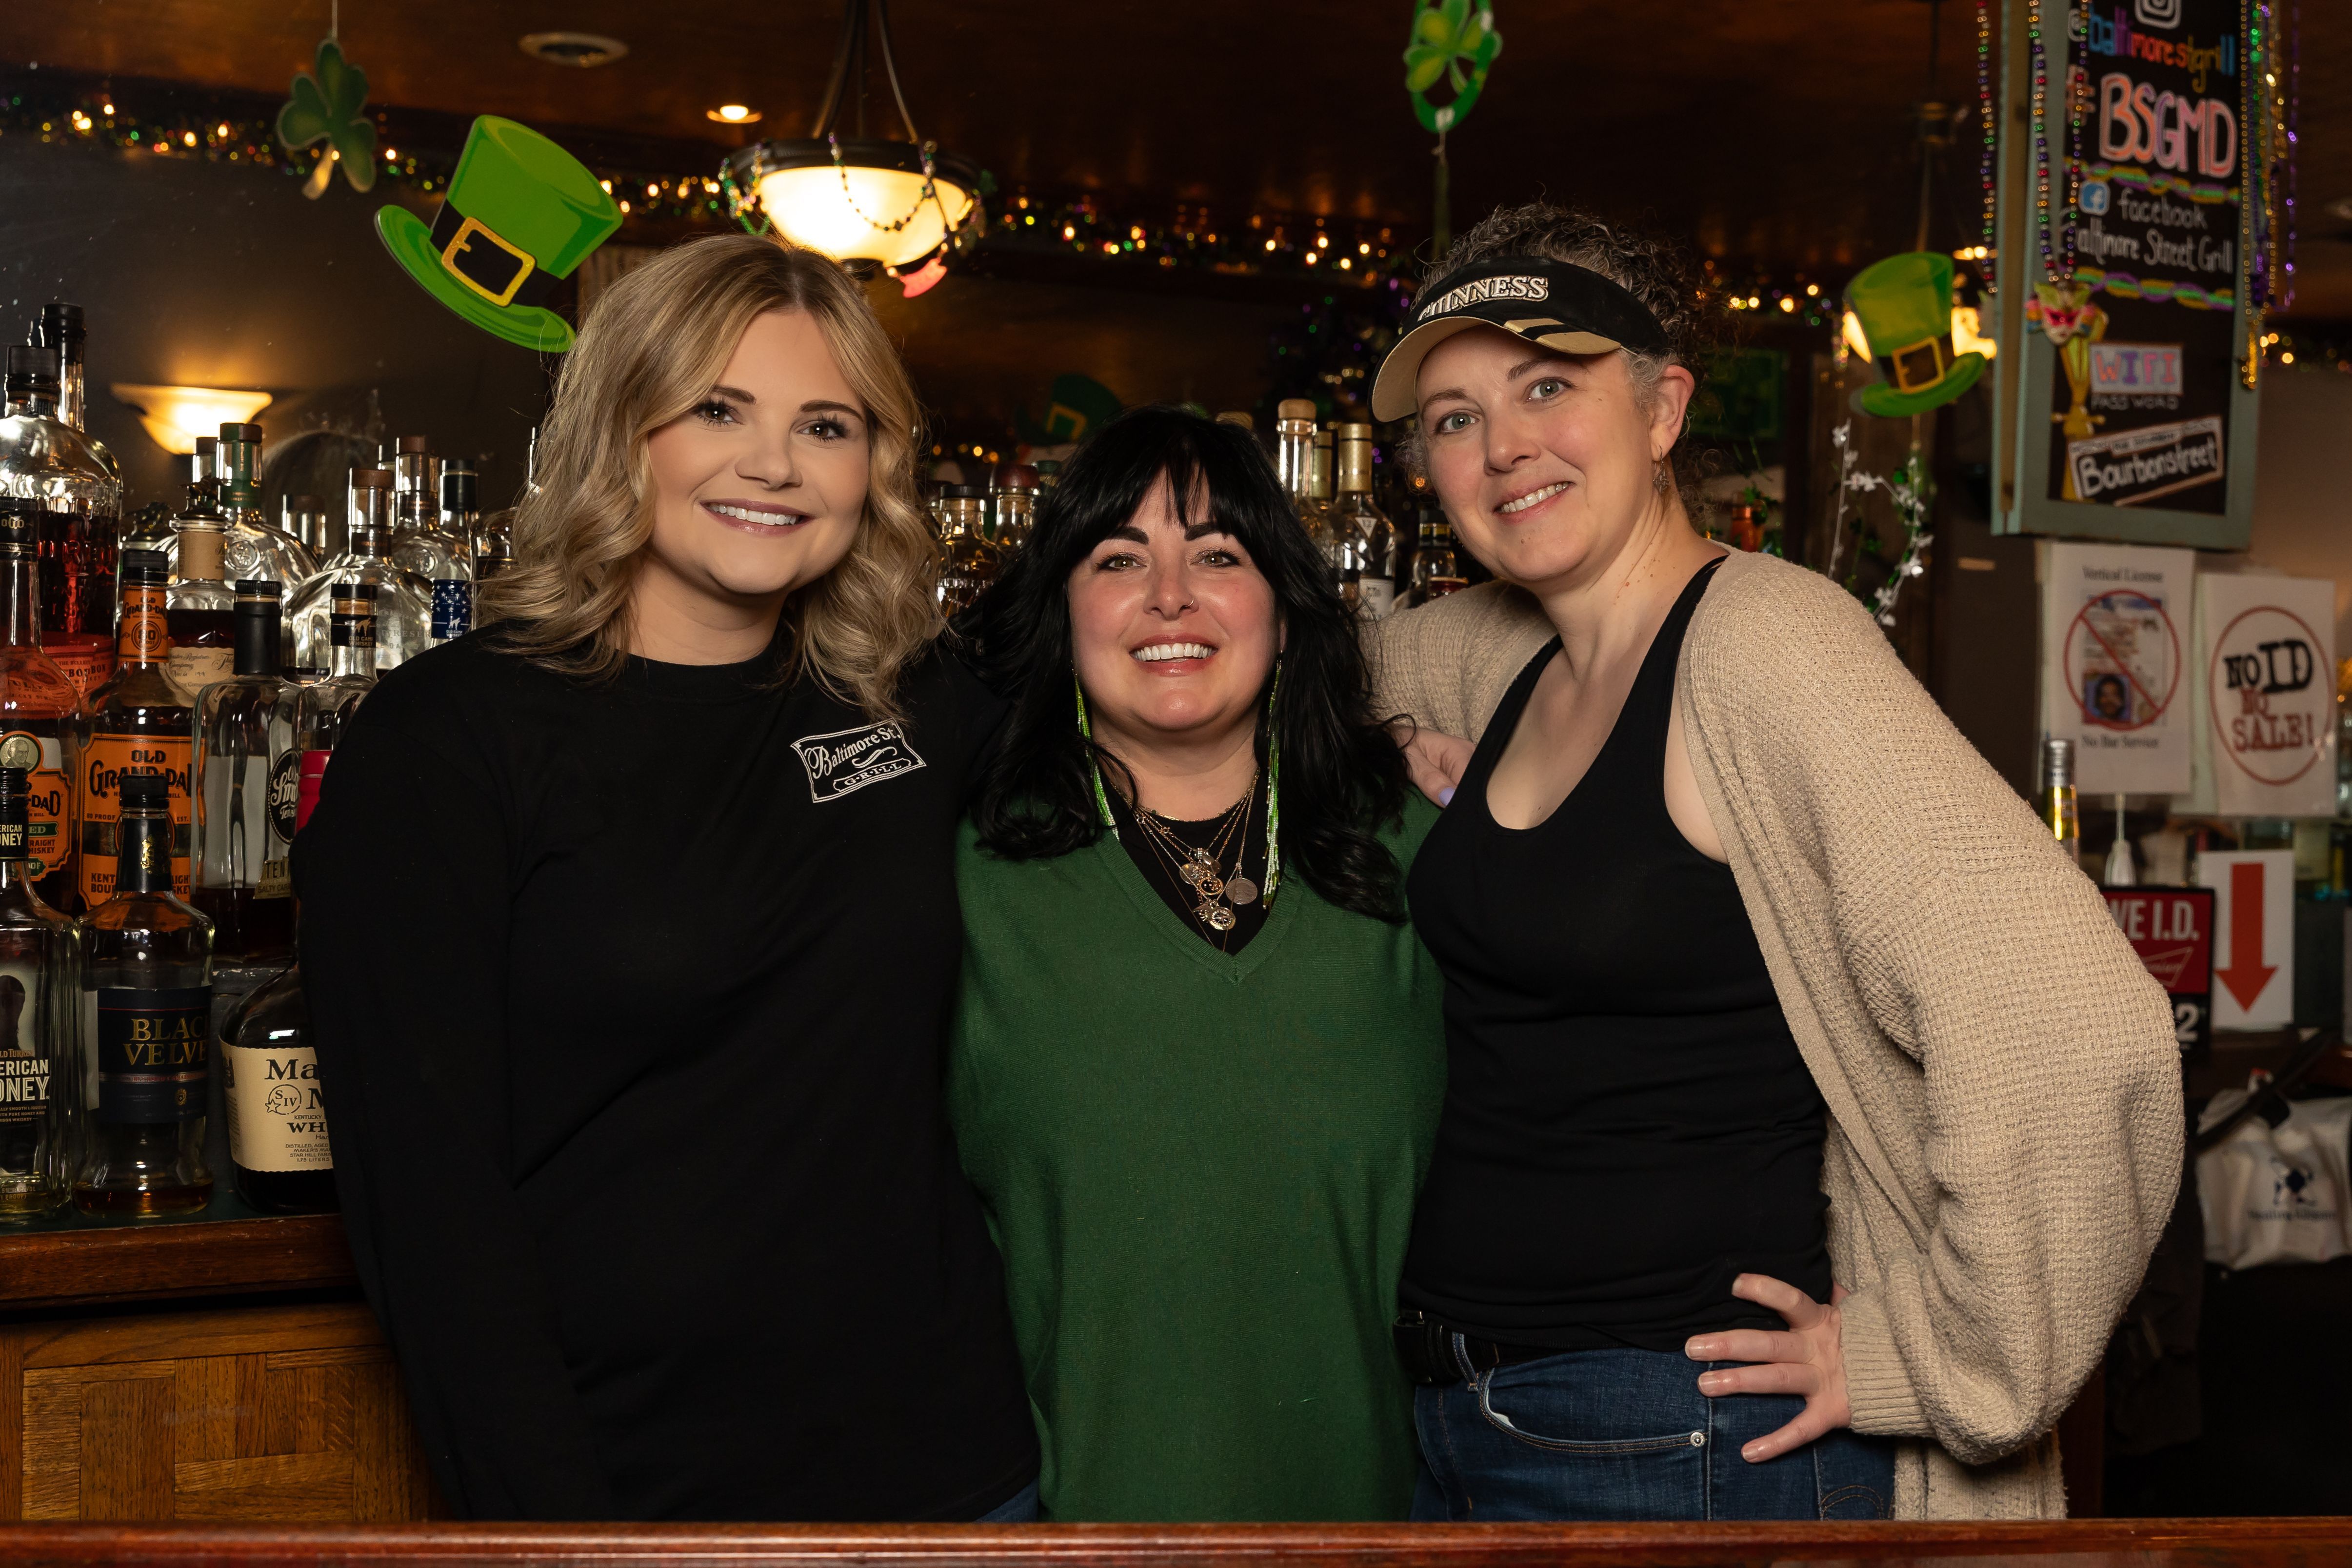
x=1808, y=1360
x=1434, y=759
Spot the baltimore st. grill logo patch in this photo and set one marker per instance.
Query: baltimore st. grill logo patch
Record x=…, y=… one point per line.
x=848, y=760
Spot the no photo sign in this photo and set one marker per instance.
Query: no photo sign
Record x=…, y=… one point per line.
x=2116, y=666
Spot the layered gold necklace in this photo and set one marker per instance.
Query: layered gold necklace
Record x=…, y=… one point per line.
x=1216, y=891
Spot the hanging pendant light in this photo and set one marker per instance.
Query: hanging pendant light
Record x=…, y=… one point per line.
x=898, y=205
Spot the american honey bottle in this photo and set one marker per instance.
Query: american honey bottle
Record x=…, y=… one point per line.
x=147, y=981
x=41, y=998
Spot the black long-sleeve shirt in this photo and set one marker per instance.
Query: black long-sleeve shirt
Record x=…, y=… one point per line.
x=630, y=1000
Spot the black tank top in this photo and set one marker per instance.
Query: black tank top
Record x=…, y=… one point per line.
x=1628, y=1124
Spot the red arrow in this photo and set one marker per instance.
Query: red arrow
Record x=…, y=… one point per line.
x=2247, y=974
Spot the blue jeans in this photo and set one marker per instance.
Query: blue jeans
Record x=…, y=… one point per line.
x=1020, y=1507
x=1623, y=1435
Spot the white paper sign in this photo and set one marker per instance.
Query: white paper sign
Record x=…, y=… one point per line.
x=2266, y=684
x=2254, y=936
x=2116, y=664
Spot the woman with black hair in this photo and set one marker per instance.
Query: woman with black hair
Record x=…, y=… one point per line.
x=1198, y=1061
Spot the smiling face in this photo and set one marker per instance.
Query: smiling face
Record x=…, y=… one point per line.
x=757, y=488
x=1173, y=629
x=1544, y=462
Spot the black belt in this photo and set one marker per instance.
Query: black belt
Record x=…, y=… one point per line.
x=1426, y=1348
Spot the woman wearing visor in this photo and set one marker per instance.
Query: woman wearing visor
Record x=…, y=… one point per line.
x=1808, y=1122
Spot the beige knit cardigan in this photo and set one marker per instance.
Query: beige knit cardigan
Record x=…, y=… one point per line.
x=2003, y=1087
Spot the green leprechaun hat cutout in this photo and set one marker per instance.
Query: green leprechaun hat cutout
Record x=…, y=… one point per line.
x=1904, y=305
x=521, y=213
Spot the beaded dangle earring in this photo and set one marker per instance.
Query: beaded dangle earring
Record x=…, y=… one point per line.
x=1093, y=764
x=1273, y=785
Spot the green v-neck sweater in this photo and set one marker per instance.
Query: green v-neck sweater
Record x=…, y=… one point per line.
x=1200, y=1170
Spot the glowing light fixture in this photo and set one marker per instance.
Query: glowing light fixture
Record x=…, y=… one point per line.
x=732, y=114
x=895, y=204
x=175, y=416
x=1965, y=336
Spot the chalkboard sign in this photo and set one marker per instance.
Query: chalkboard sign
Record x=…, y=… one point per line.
x=2136, y=426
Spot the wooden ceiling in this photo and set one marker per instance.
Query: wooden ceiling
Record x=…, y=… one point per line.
x=1776, y=132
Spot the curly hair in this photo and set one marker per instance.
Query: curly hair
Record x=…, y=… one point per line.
x=1652, y=270
x=653, y=345
x=1342, y=775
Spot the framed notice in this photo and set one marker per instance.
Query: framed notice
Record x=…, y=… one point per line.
x=2116, y=622
x=2265, y=696
x=2171, y=929
x=2135, y=426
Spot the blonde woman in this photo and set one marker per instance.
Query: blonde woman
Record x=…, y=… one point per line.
x=630, y=929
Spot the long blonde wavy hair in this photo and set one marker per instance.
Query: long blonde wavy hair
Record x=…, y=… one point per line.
x=653, y=347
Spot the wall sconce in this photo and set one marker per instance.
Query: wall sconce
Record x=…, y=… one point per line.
x=1967, y=339
x=175, y=416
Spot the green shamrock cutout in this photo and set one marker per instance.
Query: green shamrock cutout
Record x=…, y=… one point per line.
x=328, y=106
x=1452, y=40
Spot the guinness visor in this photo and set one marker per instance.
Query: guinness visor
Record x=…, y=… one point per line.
x=1570, y=308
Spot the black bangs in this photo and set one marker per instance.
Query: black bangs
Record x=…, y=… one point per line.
x=1342, y=777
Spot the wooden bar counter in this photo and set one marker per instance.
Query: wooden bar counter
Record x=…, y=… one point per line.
x=221, y=1368
x=2084, y=1543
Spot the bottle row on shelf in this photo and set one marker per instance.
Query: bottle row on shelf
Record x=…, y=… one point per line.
x=1328, y=473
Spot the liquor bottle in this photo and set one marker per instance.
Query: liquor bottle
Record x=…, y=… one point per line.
x=60, y=328
x=415, y=490
x=199, y=613
x=278, y=1146
x=43, y=724
x=1294, y=459
x=148, y=970
x=324, y=708
x=441, y=551
x=403, y=600
x=40, y=1047
x=1362, y=526
x=1436, y=570
x=156, y=527
x=46, y=460
x=1333, y=539
x=138, y=725
x=304, y=518
x=1049, y=475
x=247, y=778
x=493, y=545
x=1016, y=507
x=253, y=550
x=2059, y=811
x=967, y=561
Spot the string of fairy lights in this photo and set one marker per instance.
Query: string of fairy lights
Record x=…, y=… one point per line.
x=1381, y=259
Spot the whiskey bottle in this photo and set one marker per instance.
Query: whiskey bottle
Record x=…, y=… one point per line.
x=253, y=550
x=60, y=328
x=1436, y=570
x=156, y=527
x=44, y=460
x=139, y=726
x=43, y=725
x=1015, y=503
x=325, y=707
x=147, y=974
x=967, y=560
x=41, y=998
x=403, y=600
x=278, y=1146
x=247, y=778
x=1361, y=526
x=440, y=551
x=199, y=613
